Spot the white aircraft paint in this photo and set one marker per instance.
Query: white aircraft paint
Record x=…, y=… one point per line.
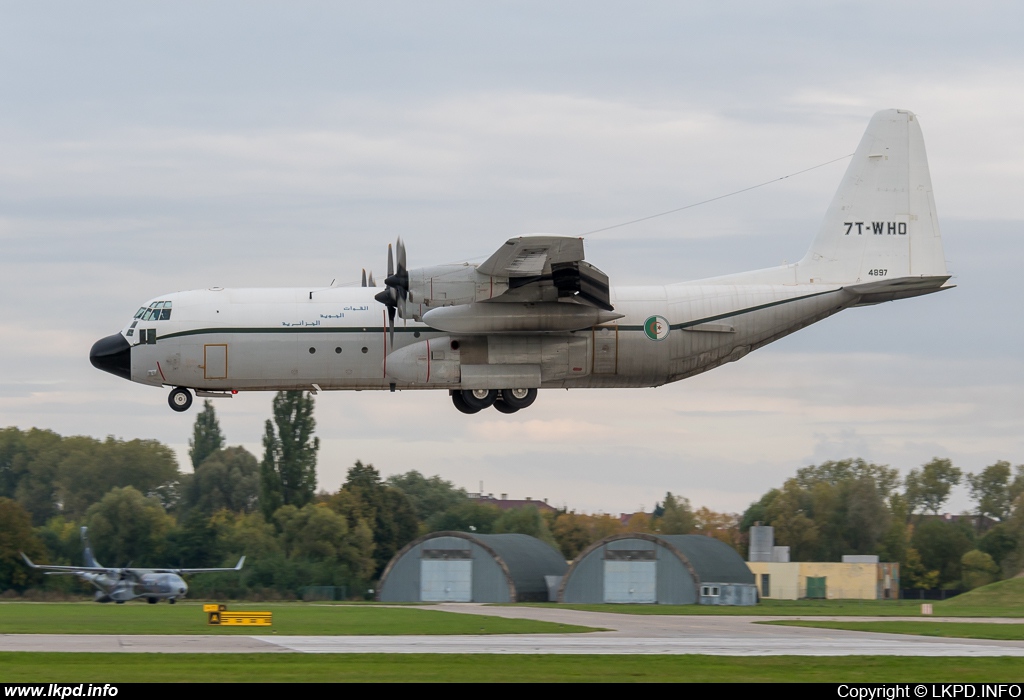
x=536, y=315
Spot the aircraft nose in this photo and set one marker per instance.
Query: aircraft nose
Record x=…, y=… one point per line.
x=112, y=354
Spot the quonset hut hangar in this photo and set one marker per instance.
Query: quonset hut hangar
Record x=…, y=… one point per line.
x=669, y=569
x=463, y=567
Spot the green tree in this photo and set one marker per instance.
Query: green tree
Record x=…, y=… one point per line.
x=758, y=512
x=227, y=478
x=318, y=534
x=788, y=513
x=828, y=510
x=288, y=470
x=90, y=468
x=999, y=542
x=677, y=516
x=465, y=517
x=526, y=521
x=126, y=526
x=991, y=490
x=428, y=496
x=16, y=536
x=52, y=475
x=941, y=545
x=206, y=435
x=574, y=532
x=195, y=542
x=913, y=573
x=978, y=569
x=385, y=510
x=929, y=487
x=895, y=543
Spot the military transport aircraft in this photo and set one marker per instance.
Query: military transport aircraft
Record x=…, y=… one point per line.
x=537, y=315
x=120, y=585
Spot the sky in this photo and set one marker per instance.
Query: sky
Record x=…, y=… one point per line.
x=148, y=148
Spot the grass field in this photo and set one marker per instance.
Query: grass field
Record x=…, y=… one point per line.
x=501, y=668
x=965, y=630
x=289, y=618
x=888, y=608
x=1000, y=599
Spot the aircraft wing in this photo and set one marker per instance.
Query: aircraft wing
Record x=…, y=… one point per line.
x=236, y=567
x=534, y=265
x=57, y=569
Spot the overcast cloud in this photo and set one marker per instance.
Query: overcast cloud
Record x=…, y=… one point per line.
x=145, y=149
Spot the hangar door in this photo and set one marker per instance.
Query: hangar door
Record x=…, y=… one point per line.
x=630, y=576
x=446, y=576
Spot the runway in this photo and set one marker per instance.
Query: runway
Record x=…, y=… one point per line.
x=626, y=634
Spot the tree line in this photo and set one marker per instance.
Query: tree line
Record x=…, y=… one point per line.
x=855, y=507
x=142, y=510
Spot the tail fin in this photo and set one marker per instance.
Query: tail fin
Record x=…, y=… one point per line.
x=882, y=223
x=87, y=550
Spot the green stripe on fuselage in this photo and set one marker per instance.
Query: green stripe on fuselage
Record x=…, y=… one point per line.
x=384, y=329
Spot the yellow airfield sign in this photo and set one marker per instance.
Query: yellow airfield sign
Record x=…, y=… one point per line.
x=218, y=614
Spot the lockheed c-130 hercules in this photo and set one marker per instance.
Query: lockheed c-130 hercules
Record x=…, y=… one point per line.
x=536, y=315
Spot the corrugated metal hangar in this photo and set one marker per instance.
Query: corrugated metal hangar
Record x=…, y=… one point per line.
x=668, y=569
x=463, y=567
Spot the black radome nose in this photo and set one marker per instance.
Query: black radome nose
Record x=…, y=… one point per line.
x=112, y=354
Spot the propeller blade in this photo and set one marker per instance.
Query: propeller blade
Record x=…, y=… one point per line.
x=372, y=282
x=391, y=325
x=401, y=256
x=364, y=277
x=391, y=262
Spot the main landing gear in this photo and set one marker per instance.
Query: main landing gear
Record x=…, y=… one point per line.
x=505, y=400
x=180, y=399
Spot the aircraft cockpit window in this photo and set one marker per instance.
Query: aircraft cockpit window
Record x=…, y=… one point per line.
x=157, y=311
x=141, y=312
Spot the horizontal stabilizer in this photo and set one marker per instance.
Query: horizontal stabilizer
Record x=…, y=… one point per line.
x=899, y=288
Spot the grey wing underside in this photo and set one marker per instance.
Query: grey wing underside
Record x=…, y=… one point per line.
x=541, y=267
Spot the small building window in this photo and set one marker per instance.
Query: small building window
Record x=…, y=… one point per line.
x=710, y=591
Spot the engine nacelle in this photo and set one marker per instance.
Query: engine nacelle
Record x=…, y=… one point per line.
x=508, y=317
x=449, y=285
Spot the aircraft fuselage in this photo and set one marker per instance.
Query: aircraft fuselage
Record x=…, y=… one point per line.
x=223, y=340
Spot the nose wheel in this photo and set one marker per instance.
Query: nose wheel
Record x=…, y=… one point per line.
x=180, y=399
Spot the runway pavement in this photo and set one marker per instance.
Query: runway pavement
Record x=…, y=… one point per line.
x=626, y=634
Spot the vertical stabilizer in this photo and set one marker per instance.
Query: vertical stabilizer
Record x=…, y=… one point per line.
x=882, y=223
x=87, y=550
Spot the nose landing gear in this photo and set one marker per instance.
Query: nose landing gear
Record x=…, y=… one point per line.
x=180, y=399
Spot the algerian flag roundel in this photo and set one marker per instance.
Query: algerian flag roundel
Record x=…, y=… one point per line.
x=656, y=327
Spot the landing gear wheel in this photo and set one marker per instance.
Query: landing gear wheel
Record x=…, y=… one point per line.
x=479, y=398
x=460, y=403
x=180, y=399
x=519, y=398
x=171, y=601
x=504, y=407
x=151, y=601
